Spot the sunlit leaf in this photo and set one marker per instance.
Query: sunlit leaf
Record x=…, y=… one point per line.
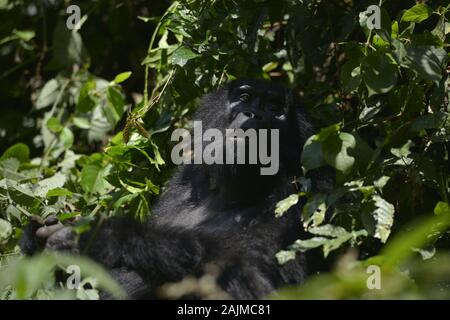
x=20, y=151
x=93, y=178
x=284, y=205
x=182, y=55
x=48, y=94
x=5, y=231
x=121, y=77
x=418, y=13
x=54, y=125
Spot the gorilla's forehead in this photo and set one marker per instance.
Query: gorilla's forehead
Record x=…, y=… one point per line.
x=261, y=87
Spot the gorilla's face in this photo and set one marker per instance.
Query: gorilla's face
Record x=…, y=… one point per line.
x=263, y=114
x=248, y=106
x=257, y=105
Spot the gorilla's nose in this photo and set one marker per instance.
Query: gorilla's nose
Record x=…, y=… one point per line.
x=252, y=115
x=247, y=119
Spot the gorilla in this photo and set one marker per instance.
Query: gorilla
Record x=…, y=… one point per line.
x=220, y=215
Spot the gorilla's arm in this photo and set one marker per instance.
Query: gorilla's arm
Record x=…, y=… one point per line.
x=140, y=256
x=159, y=253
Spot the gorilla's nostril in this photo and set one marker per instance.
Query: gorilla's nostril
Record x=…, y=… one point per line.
x=252, y=115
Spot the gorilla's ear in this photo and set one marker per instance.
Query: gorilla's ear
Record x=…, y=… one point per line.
x=291, y=99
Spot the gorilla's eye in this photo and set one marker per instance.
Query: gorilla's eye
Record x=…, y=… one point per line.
x=244, y=97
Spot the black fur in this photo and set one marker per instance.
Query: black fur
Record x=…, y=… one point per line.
x=221, y=215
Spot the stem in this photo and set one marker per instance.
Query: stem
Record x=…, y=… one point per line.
x=155, y=100
x=52, y=111
x=44, y=43
x=150, y=46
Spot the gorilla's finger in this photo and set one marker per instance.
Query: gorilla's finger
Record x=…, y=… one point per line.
x=47, y=231
x=51, y=220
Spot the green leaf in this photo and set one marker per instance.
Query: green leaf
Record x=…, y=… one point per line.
x=312, y=157
x=430, y=121
x=10, y=168
x=379, y=74
x=69, y=215
x=24, y=35
x=416, y=235
x=68, y=46
x=182, y=55
x=418, y=13
x=28, y=275
x=382, y=218
x=81, y=123
x=314, y=210
x=66, y=138
x=304, y=245
x=336, y=150
x=427, y=61
x=284, y=205
x=149, y=19
x=324, y=133
x=426, y=253
x=13, y=211
x=351, y=75
x=404, y=151
x=300, y=246
x=338, y=236
x=45, y=185
x=329, y=231
x=54, y=125
x=20, y=151
x=330, y=237
x=381, y=182
x=270, y=66
x=85, y=102
x=142, y=210
x=442, y=208
x=48, y=94
x=121, y=77
x=371, y=108
x=285, y=255
x=93, y=178
x=6, y=231
x=130, y=188
x=116, y=106
x=22, y=194
x=125, y=199
x=59, y=192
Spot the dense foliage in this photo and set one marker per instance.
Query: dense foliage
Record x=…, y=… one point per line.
x=80, y=141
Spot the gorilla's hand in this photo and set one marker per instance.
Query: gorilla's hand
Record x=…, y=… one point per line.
x=48, y=234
